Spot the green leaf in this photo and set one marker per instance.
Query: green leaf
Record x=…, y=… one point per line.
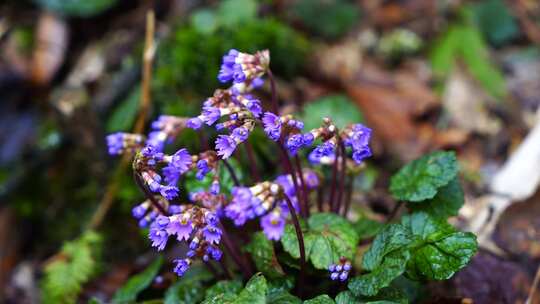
x=464, y=42
x=392, y=237
x=446, y=203
x=282, y=297
x=77, y=8
x=338, y=107
x=236, y=12
x=125, y=113
x=204, y=21
x=495, y=21
x=254, y=292
x=389, y=295
x=327, y=238
x=64, y=277
x=339, y=16
x=420, y=179
x=262, y=252
x=438, y=249
x=321, y=299
x=392, y=266
x=477, y=59
x=224, y=288
x=189, y=289
x=128, y=293
x=366, y=228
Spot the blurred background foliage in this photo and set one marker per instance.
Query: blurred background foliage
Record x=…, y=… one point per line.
x=70, y=74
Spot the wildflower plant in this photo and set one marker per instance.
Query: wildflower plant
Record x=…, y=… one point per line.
x=298, y=239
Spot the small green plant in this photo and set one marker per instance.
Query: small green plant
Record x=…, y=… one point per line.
x=304, y=237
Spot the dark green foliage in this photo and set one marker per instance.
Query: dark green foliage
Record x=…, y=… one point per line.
x=495, y=20
x=424, y=247
x=327, y=238
x=389, y=295
x=195, y=55
x=338, y=107
x=420, y=179
x=76, y=265
x=188, y=289
x=137, y=283
x=322, y=299
x=366, y=228
x=76, y=8
x=262, y=252
x=339, y=16
x=446, y=202
x=228, y=292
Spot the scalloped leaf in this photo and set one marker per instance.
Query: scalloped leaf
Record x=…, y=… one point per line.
x=420, y=179
x=327, y=238
x=262, y=252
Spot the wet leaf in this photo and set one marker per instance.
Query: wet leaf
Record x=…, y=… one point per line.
x=327, y=238
x=446, y=203
x=420, y=179
x=322, y=299
x=392, y=266
x=438, y=250
x=262, y=252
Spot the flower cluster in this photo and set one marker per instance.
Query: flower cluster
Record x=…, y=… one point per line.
x=266, y=200
x=120, y=143
x=233, y=113
x=241, y=67
x=194, y=225
x=340, y=270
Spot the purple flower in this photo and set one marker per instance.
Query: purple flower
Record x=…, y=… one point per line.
x=118, y=142
x=181, y=266
x=273, y=225
x=311, y=179
x=240, y=134
x=341, y=270
x=139, y=211
x=225, y=146
x=272, y=125
x=179, y=164
x=194, y=123
x=181, y=227
x=228, y=66
x=202, y=169
x=360, y=137
x=334, y=276
x=257, y=82
x=325, y=150
x=169, y=192
x=240, y=208
x=162, y=222
x=212, y=234
x=308, y=139
x=213, y=252
x=158, y=237
x=210, y=115
x=214, y=188
x=294, y=143
x=359, y=155
x=157, y=140
x=175, y=209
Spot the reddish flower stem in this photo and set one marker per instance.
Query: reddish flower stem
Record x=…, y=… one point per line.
x=148, y=194
x=301, y=248
x=342, y=176
x=304, y=188
x=348, y=195
x=231, y=172
x=334, y=181
x=252, y=162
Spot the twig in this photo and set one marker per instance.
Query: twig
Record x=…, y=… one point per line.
x=235, y=253
x=534, y=287
x=148, y=56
